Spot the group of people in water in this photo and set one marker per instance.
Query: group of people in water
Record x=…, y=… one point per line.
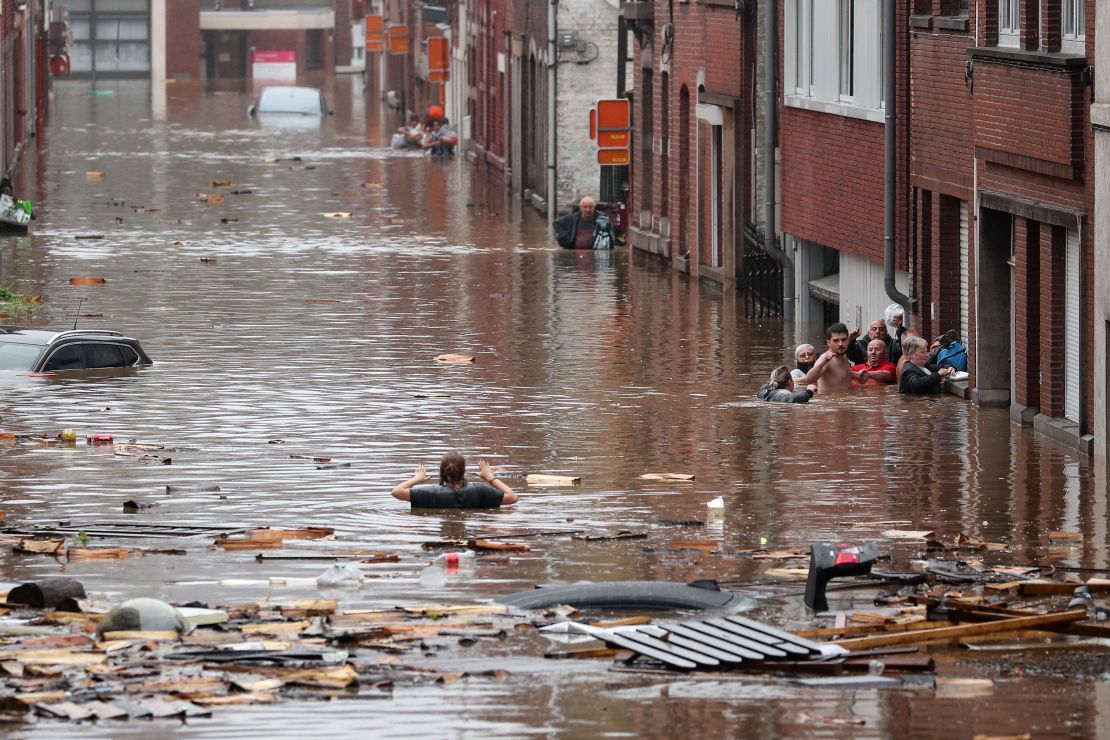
x=434, y=134
x=889, y=354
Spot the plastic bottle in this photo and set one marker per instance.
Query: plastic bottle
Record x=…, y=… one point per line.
x=450, y=562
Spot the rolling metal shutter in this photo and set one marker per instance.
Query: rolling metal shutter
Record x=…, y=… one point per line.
x=965, y=274
x=1073, y=322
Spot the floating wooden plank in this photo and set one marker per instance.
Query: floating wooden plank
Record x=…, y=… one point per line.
x=676, y=477
x=41, y=547
x=56, y=657
x=337, y=214
x=94, y=175
x=1061, y=536
x=87, y=280
x=142, y=635
x=543, y=479
x=450, y=359
x=276, y=628
x=304, y=533
x=965, y=630
x=908, y=534
x=78, y=554
x=625, y=534
x=1052, y=588
x=477, y=544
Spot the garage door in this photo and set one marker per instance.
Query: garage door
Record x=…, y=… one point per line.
x=1072, y=330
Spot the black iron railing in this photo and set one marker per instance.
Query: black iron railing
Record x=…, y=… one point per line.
x=762, y=277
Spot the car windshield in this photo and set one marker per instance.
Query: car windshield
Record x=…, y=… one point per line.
x=304, y=100
x=18, y=356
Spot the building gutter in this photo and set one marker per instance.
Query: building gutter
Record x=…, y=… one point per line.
x=770, y=135
x=552, y=144
x=890, y=129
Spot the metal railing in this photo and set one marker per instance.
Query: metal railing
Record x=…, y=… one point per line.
x=762, y=277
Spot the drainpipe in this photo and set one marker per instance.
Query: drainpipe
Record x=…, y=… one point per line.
x=552, y=149
x=891, y=175
x=770, y=122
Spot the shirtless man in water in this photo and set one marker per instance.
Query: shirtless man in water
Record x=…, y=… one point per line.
x=832, y=373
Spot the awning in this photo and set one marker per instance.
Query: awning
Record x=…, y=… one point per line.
x=826, y=288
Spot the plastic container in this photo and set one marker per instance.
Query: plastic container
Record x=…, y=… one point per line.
x=715, y=509
x=450, y=562
x=99, y=439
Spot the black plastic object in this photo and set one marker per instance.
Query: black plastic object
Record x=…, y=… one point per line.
x=828, y=561
x=624, y=595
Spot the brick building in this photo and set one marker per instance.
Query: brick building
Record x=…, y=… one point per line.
x=693, y=71
x=23, y=78
x=1100, y=118
x=211, y=39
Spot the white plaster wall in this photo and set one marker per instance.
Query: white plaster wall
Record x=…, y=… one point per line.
x=1100, y=116
x=862, y=286
x=579, y=87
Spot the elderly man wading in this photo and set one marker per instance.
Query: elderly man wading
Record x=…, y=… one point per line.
x=585, y=228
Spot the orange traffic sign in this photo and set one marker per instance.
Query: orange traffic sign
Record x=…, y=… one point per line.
x=613, y=156
x=439, y=58
x=398, y=39
x=613, y=139
x=613, y=115
x=593, y=123
x=375, y=33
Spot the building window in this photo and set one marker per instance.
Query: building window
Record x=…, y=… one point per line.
x=846, y=22
x=1009, y=23
x=834, y=55
x=1074, y=21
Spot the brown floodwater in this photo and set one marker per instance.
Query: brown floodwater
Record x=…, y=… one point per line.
x=322, y=332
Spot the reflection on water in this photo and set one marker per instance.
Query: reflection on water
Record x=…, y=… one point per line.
x=321, y=332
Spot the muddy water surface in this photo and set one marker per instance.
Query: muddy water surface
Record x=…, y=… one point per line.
x=269, y=321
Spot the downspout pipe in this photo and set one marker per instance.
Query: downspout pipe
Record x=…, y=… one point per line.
x=552, y=147
x=770, y=137
x=890, y=127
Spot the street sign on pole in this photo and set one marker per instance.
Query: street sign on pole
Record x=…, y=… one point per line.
x=439, y=59
x=398, y=39
x=375, y=33
x=614, y=123
x=613, y=156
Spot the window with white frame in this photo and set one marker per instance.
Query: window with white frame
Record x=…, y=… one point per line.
x=1073, y=18
x=1009, y=23
x=845, y=23
x=834, y=55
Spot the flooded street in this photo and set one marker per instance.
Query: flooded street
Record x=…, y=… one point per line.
x=268, y=321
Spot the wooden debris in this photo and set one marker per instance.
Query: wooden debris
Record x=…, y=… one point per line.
x=542, y=479
x=209, y=260
x=337, y=214
x=477, y=544
x=624, y=534
x=966, y=630
x=31, y=546
x=213, y=200
x=676, y=477
x=705, y=546
x=626, y=622
x=908, y=534
x=141, y=635
x=963, y=688
x=450, y=359
x=222, y=183
x=88, y=280
x=77, y=554
x=276, y=628
x=307, y=608
x=1061, y=536
x=305, y=533
x=1053, y=588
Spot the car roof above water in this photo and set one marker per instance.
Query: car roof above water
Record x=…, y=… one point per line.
x=290, y=99
x=43, y=337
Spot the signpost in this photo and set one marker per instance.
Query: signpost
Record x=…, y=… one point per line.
x=375, y=33
x=611, y=125
x=274, y=66
x=439, y=59
x=398, y=40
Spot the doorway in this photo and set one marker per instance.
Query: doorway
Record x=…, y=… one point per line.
x=994, y=309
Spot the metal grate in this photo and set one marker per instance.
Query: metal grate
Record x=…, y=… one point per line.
x=712, y=643
x=762, y=277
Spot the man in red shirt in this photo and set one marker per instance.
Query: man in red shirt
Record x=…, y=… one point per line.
x=877, y=370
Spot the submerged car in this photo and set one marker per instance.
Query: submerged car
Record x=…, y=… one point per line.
x=49, y=351
x=289, y=100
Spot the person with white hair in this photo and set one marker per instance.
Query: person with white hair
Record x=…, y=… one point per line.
x=895, y=317
x=804, y=357
x=585, y=228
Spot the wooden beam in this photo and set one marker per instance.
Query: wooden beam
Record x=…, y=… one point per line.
x=968, y=630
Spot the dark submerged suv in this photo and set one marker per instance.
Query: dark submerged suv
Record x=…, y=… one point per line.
x=45, y=351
